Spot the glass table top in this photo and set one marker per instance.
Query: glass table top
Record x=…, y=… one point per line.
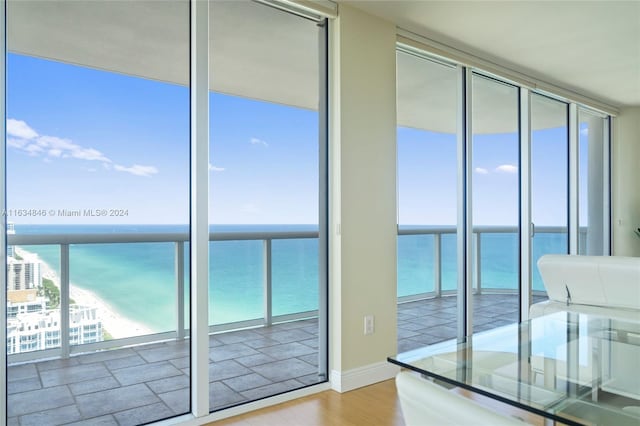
x=570, y=367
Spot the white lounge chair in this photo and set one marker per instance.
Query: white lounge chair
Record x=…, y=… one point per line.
x=608, y=286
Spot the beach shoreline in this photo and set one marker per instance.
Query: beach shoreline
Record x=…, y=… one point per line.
x=113, y=322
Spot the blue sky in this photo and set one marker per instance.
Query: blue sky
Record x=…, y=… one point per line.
x=427, y=174
x=85, y=139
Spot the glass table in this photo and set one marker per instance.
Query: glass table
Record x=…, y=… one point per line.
x=573, y=368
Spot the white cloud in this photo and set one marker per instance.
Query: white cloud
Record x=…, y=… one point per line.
x=89, y=154
x=26, y=139
x=33, y=149
x=256, y=141
x=137, y=170
x=16, y=143
x=584, y=131
x=20, y=129
x=481, y=171
x=213, y=168
x=507, y=168
x=58, y=147
x=55, y=152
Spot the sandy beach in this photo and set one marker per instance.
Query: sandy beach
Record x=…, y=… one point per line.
x=113, y=322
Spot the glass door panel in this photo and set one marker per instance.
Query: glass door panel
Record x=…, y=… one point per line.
x=98, y=182
x=495, y=203
x=549, y=183
x=427, y=203
x=266, y=167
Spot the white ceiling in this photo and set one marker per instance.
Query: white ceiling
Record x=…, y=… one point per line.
x=263, y=53
x=256, y=51
x=590, y=47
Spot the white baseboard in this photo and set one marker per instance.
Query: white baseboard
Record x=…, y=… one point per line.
x=344, y=381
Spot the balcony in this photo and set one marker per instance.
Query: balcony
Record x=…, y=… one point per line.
x=145, y=378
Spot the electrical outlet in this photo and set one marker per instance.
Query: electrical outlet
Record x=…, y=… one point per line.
x=368, y=324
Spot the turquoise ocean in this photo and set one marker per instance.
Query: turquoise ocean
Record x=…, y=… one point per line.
x=138, y=279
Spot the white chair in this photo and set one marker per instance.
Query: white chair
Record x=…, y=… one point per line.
x=425, y=403
x=602, y=285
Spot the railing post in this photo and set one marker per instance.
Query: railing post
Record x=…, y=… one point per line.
x=477, y=258
x=437, y=264
x=582, y=239
x=179, y=268
x=267, y=291
x=64, y=300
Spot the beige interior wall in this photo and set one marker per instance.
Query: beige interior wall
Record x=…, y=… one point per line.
x=625, y=181
x=363, y=198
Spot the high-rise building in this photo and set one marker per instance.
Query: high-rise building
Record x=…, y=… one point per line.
x=31, y=327
x=23, y=274
x=21, y=302
x=11, y=230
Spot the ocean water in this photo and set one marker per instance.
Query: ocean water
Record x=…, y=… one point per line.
x=499, y=260
x=138, y=280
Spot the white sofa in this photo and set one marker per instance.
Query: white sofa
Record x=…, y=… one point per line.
x=602, y=285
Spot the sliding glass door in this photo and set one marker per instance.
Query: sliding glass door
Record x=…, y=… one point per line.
x=495, y=202
x=427, y=203
x=507, y=194
x=97, y=188
x=549, y=183
x=267, y=207
x=102, y=179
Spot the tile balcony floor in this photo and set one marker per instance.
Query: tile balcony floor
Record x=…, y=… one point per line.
x=150, y=382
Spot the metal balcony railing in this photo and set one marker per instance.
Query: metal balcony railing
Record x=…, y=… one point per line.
x=64, y=241
x=478, y=232
x=180, y=239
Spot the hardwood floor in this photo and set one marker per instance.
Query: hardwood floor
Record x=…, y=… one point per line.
x=375, y=405
x=372, y=405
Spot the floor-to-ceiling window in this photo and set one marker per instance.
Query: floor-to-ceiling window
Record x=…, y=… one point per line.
x=97, y=185
x=513, y=172
x=495, y=199
x=427, y=202
x=549, y=182
x=266, y=208
x=100, y=171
